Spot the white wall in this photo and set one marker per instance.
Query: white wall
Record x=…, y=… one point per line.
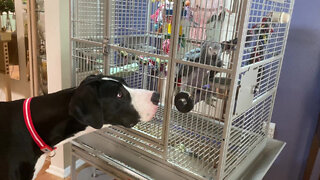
x=57, y=44
x=59, y=67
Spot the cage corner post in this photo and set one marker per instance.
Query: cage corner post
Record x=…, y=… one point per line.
x=72, y=13
x=171, y=73
x=107, y=36
x=242, y=29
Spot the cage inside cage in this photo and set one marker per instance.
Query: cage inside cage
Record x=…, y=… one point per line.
x=216, y=64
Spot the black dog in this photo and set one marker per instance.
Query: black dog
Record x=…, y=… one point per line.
x=98, y=101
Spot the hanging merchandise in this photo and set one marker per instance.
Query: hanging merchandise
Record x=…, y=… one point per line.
x=201, y=13
x=169, y=28
x=157, y=16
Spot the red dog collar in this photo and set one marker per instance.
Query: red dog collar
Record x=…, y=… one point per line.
x=35, y=136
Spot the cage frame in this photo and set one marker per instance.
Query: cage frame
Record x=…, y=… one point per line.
x=234, y=72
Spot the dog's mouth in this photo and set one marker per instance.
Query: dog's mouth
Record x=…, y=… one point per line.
x=149, y=115
x=145, y=103
x=151, y=109
x=155, y=99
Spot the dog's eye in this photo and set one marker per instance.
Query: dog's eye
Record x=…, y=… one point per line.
x=119, y=95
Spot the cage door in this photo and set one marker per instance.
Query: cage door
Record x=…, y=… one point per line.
x=138, y=50
x=246, y=90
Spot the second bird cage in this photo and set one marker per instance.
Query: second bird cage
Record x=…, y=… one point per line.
x=216, y=64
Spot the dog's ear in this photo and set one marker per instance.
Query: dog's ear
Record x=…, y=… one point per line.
x=85, y=106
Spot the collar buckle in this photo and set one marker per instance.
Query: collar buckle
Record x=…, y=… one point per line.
x=46, y=150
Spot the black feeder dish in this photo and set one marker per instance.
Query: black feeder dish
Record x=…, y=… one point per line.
x=183, y=102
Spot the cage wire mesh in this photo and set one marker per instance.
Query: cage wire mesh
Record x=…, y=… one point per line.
x=248, y=130
x=88, y=20
x=87, y=59
x=266, y=35
x=266, y=78
x=208, y=59
x=87, y=32
x=131, y=30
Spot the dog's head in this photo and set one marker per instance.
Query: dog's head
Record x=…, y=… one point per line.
x=101, y=100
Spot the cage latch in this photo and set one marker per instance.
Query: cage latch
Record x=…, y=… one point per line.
x=105, y=45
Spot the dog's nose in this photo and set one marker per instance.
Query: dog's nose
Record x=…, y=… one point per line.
x=155, y=98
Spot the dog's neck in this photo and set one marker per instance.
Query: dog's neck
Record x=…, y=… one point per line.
x=55, y=125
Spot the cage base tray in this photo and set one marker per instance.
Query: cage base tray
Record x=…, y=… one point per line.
x=130, y=162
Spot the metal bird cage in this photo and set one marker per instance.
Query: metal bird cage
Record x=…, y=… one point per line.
x=216, y=64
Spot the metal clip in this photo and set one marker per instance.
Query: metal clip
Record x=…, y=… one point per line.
x=48, y=150
x=255, y=89
x=45, y=150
